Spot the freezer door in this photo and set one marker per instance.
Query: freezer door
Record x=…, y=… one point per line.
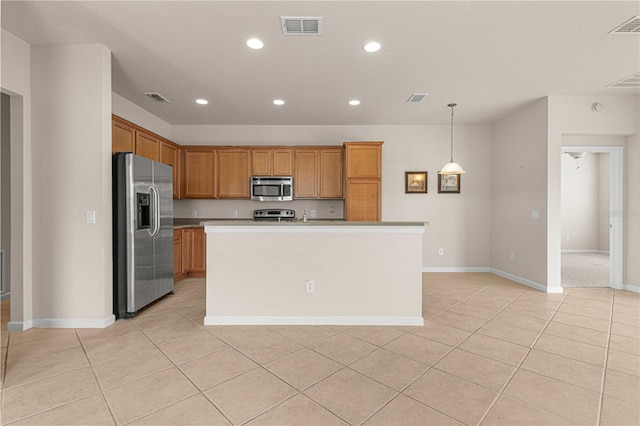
x=140, y=289
x=163, y=239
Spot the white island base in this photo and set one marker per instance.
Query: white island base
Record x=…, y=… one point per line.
x=315, y=273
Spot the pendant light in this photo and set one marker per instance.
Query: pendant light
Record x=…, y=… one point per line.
x=451, y=168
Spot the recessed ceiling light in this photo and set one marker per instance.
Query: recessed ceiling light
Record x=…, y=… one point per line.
x=254, y=43
x=278, y=102
x=202, y=101
x=372, y=46
x=354, y=102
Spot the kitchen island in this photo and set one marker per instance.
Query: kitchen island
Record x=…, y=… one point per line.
x=311, y=273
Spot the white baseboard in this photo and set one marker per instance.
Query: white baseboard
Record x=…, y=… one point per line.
x=295, y=320
x=527, y=282
x=630, y=287
x=19, y=325
x=572, y=251
x=73, y=323
x=456, y=269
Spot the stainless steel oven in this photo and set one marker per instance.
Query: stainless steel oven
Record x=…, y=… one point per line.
x=272, y=188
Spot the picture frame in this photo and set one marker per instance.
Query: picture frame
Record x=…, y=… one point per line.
x=415, y=182
x=449, y=184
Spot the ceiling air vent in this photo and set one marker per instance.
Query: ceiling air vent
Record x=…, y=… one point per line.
x=417, y=97
x=632, y=26
x=157, y=97
x=631, y=82
x=301, y=25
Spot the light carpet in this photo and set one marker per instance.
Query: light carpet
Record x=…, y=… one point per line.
x=585, y=270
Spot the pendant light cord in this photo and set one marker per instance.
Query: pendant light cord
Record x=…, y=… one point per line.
x=451, y=106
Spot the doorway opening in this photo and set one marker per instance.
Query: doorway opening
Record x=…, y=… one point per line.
x=592, y=203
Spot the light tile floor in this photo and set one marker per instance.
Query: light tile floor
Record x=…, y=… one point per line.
x=491, y=352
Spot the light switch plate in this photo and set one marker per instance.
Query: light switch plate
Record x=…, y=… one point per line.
x=91, y=216
x=535, y=214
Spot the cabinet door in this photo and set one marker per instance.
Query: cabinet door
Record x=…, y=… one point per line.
x=186, y=251
x=234, y=170
x=331, y=173
x=199, y=173
x=363, y=159
x=262, y=162
x=122, y=137
x=282, y=162
x=147, y=146
x=305, y=176
x=363, y=200
x=198, y=250
x=169, y=154
x=177, y=254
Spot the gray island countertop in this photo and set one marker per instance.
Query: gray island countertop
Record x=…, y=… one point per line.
x=320, y=222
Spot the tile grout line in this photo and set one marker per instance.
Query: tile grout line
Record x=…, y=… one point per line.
x=95, y=376
x=606, y=360
x=529, y=349
x=199, y=391
x=401, y=392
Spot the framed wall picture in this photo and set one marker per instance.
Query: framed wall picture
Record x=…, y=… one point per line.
x=415, y=182
x=449, y=184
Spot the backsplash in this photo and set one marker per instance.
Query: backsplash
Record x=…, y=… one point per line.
x=224, y=209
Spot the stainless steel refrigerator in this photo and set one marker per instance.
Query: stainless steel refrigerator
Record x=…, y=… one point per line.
x=142, y=233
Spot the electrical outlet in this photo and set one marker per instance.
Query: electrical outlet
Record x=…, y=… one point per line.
x=567, y=238
x=234, y=213
x=194, y=213
x=310, y=286
x=441, y=252
x=512, y=256
x=313, y=213
x=535, y=214
x=91, y=216
x=332, y=210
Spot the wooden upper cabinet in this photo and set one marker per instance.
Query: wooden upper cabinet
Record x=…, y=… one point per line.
x=123, y=137
x=234, y=171
x=363, y=200
x=363, y=159
x=170, y=154
x=331, y=173
x=199, y=172
x=262, y=162
x=363, y=181
x=147, y=146
x=272, y=161
x=282, y=162
x=305, y=174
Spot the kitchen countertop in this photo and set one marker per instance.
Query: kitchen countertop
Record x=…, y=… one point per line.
x=315, y=222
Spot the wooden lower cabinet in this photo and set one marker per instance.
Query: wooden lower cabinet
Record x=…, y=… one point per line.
x=198, y=253
x=189, y=253
x=177, y=255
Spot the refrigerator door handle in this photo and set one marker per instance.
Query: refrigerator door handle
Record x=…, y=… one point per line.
x=155, y=196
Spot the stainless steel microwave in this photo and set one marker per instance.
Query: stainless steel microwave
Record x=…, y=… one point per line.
x=272, y=188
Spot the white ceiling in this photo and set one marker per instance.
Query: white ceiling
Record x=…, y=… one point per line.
x=489, y=57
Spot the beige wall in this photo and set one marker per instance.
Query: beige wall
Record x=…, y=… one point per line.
x=518, y=186
x=16, y=81
x=128, y=110
x=632, y=210
x=581, y=202
x=71, y=95
x=5, y=190
x=603, y=201
x=459, y=223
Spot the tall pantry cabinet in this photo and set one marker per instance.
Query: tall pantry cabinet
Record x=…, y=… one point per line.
x=363, y=181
